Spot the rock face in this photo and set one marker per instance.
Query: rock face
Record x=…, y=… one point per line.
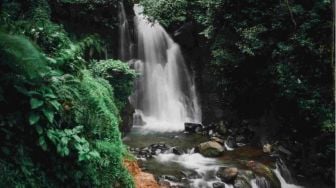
x=141, y=179
x=210, y=149
x=267, y=148
x=227, y=174
x=193, y=127
x=127, y=120
x=137, y=119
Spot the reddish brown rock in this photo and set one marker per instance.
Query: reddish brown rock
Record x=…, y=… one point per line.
x=141, y=179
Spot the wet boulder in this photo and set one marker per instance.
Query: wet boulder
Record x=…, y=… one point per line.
x=156, y=149
x=216, y=139
x=243, y=179
x=210, y=149
x=267, y=148
x=191, y=174
x=242, y=182
x=231, y=142
x=241, y=139
x=218, y=185
x=164, y=183
x=227, y=174
x=221, y=128
x=175, y=151
x=193, y=127
x=264, y=171
x=169, y=178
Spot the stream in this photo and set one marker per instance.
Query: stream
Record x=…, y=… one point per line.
x=170, y=156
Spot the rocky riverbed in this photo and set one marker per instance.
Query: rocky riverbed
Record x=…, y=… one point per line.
x=204, y=157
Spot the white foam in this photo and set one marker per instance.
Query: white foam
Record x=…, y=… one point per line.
x=283, y=182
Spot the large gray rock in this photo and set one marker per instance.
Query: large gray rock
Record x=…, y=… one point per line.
x=210, y=149
x=227, y=174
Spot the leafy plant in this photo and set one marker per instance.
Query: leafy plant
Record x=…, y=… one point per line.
x=119, y=75
x=52, y=136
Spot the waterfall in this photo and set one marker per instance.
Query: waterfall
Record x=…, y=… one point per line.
x=165, y=92
x=283, y=182
x=125, y=45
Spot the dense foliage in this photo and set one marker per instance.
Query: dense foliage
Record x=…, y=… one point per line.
x=267, y=59
x=60, y=104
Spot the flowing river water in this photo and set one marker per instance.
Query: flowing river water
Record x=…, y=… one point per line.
x=165, y=98
x=187, y=168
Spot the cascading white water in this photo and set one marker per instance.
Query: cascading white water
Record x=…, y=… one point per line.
x=285, y=178
x=165, y=93
x=283, y=182
x=200, y=164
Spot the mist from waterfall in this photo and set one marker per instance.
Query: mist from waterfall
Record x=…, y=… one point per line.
x=165, y=94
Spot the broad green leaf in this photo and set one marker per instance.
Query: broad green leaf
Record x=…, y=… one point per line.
x=35, y=103
x=33, y=118
x=55, y=104
x=48, y=114
x=50, y=95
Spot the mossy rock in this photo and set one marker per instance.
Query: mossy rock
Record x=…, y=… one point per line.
x=264, y=171
x=210, y=149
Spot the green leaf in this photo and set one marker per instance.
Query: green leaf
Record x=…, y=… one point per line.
x=48, y=114
x=39, y=129
x=50, y=95
x=64, y=140
x=33, y=118
x=55, y=104
x=35, y=103
x=95, y=154
x=43, y=143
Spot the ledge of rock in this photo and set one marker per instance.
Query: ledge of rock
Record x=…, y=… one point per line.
x=141, y=179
